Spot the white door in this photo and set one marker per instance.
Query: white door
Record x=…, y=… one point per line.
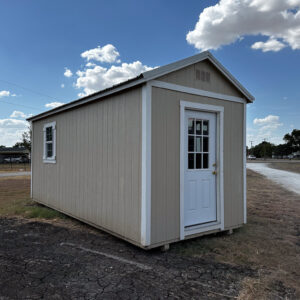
x=200, y=202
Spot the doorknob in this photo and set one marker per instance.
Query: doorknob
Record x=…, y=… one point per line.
x=214, y=173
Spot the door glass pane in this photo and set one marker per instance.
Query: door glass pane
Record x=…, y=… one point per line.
x=198, y=127
x=191, y=161
x=198, y=144
x=205, y=128
x=191, y=126
x=198, y=161
x=191, y=143
x=205, y=144
x=205, y=161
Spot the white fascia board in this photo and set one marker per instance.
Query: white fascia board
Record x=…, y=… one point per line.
x=193, y=91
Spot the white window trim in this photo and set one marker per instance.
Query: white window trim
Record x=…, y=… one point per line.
x=51, y=160
x=219, y=110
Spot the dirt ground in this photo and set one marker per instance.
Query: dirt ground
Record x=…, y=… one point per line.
x=61, y=258
x=286, y=166
x=7, y=167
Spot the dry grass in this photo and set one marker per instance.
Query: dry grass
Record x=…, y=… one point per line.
x=14, y=167
x=15, y=200
x=286, y=166
x=269, y=242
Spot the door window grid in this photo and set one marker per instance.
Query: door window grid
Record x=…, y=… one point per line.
x=198, y=144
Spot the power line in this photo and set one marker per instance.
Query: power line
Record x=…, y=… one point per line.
x=30, y=90
x=27, y=106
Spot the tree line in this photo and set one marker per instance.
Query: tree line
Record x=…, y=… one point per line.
x=266, y=149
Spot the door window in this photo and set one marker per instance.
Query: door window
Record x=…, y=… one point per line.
x=198, y=144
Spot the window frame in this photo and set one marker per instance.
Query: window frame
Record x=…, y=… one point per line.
x=51, y=159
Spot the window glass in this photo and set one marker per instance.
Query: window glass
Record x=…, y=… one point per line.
x=198, y=144
x=191, y=126
x=191, y=161
x=205, y=161
x=205, y=127
x=205, y=144
x=49, y=134
x=49, y=149
x=198, y=127
x=198, y=161
x=191, y=143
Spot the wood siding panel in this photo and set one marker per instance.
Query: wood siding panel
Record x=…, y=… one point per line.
x=97, y=175
x=165, y=201
x=187, y=77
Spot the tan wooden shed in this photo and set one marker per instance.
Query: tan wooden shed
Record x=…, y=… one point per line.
x=154, y=160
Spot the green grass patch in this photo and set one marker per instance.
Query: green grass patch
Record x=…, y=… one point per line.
x=30, y=209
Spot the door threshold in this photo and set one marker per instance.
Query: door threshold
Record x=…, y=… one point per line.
x=189, y=230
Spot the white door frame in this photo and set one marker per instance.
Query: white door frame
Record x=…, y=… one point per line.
x=219, y=110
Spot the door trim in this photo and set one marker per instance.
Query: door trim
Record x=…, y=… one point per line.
x=219, y=110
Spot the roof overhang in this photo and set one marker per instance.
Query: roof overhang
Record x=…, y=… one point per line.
x=145, y=77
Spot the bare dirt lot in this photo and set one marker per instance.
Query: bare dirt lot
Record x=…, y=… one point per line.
x=286, y=166
x=60, y=258
x=7, y=167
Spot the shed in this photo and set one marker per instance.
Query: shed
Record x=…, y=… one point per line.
x=154, y=160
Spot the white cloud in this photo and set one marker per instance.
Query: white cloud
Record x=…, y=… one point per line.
x=4, y=93
x=62, y=85
x=269, y=45
x=265, y=129
x=270, y=119
x=11, y=131
x=98, y=77
x=53, y=104
x=228, y=21
x=89, y=64
x=107, y=54
x=19, y=114
x=68, y=72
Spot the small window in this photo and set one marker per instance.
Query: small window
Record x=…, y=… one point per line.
x=49, y=143
x=198, y=144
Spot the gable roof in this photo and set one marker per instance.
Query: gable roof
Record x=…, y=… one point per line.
x=147, y=76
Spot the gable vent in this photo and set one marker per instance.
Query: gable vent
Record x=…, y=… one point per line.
x=202, y=75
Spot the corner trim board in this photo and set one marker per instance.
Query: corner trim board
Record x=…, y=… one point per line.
x=146, y=166
x=219, y=110
x=189, y=90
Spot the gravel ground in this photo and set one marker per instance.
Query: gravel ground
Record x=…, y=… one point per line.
x=289, y=180
x=40, y=260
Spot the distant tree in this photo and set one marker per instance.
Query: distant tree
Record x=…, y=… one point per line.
x=26, y=140
x=2, y=146
x=262, y=150
x=282, y=150
x=293, y=140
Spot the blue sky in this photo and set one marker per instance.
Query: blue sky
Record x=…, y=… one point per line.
x=43, y=42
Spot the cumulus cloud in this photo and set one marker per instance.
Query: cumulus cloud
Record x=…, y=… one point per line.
x=4, y=93
x=229, y=21
x=19, y=114
x=270, y=119
x=107, y=54
x=98, y=77
x=68, y=72
x=269, y=45
x=62, y=85
x=53, y=104
x=265, y=129
x=11, y=131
